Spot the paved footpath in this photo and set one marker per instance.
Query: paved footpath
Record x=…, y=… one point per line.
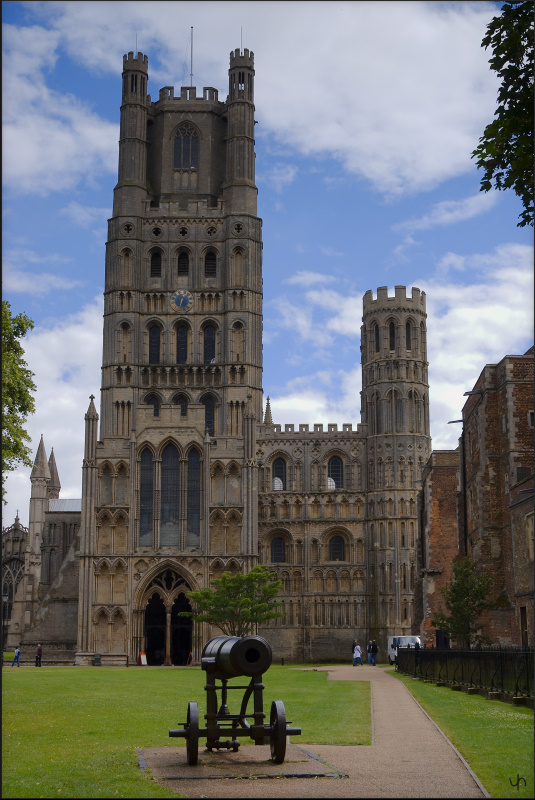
x=409, y=757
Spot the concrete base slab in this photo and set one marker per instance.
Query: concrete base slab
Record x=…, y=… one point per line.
x=250, y=762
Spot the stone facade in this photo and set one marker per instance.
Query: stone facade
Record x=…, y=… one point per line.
x=185, y=475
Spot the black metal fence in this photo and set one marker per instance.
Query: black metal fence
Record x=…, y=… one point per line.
x=507, y=670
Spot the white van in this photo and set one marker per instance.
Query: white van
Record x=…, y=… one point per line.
x=400, y=641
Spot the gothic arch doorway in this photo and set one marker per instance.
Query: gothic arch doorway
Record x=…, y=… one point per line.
x=155, y=630
x=180, y=631
x=167, y=636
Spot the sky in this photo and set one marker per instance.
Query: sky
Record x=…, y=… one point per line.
x=367, y=117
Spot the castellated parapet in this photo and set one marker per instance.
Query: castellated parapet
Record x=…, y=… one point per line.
x=140, y=62
x=400, y=295
x=239, y=59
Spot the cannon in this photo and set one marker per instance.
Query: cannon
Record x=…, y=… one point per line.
x=223, y=658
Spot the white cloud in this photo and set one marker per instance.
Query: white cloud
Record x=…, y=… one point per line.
x=280, y=176
x=305, y=278
x=66, y=362
x=403, y=111
x=330, y=252
x=15, y=278
x=50, y=141
x=450, y=212
x=469, y=325
x=85, y=216
x=39, y=284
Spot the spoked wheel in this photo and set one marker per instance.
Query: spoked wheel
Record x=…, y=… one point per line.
x=277, y=721
x=192, y=734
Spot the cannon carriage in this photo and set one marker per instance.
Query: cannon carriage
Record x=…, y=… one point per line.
x=224, y=658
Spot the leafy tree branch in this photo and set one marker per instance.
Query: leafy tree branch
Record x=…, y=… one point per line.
x=17, y=392
x=237, y=603
x=465, y=599
x=505, y=151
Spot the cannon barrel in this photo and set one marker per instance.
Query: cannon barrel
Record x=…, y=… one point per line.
x=235, y=656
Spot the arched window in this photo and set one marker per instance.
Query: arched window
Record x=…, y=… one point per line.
x=423, y=345
x=182, y=344
x=408, y=336
x=278, y=474
x=182, y=401
x=13, y=572
x=194, y=499
x=336, y=549
x=154, y=401
x=154, y=344
x=183, y=264
x=170, y=497
x=209, y=344
x=210, y=265
x=125, y=335
x=335, y=473
x=186, y=148
x=209, y=414
x=376, y=337
x=146, y=498
x=156, y=264
x=392, y=336
x=278, y=549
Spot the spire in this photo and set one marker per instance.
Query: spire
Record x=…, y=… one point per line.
x=91, y=411
x=267, y=416
x=54, y=485
x=40, y=466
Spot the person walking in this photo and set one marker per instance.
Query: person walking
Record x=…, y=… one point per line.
x=369, y=652
x=17, y=653
x=38, y=656
x=357, y=655
x=374, y=650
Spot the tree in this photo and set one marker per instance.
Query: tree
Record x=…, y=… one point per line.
x=238, y=603
x=505, y=150
x=17, y=388
x=465, y=599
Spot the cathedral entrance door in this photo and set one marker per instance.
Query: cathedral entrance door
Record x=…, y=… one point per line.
x=155, y=629
x=181, y=628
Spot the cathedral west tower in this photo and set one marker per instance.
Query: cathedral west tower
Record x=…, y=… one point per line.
x=182, y=366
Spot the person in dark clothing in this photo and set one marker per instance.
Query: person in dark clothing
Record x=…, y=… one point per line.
x=373, y=651
x=38, y=656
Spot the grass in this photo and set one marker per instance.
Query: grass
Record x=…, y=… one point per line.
x=73, y=731
x=495, y=738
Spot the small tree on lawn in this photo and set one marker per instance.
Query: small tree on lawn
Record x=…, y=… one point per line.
x=238, y=603
x=465, y=599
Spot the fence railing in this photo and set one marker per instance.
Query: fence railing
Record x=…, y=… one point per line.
x=496, y=669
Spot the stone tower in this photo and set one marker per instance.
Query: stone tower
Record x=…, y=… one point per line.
x=395, y=408
x=182, y=366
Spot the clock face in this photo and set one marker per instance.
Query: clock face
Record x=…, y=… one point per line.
x=181, y=301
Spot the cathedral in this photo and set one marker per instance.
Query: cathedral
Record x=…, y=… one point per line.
x=185, y=474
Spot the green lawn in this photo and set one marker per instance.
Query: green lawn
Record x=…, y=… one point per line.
x=495, y=738
x=73, y=731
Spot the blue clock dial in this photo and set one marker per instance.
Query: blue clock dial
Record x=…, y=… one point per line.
x=181, y=301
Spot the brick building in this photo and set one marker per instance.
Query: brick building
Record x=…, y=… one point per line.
x=493, y=518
